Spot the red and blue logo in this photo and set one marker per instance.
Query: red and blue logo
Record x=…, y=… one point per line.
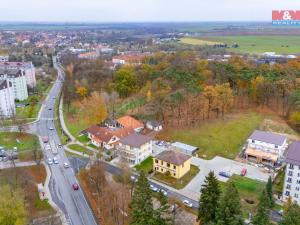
x=286, y=17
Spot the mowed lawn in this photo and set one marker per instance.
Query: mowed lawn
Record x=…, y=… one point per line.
x=254, y=44
x=248, y=190
x=195, y=41
x=222, y=138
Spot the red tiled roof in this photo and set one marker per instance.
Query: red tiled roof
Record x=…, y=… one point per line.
x=128, y=121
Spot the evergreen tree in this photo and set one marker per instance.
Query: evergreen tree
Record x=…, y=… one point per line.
x=161, y=213
x=262, y=215
x=269, y=190
x=142, y=207
x=208, y=203
x=229, y=210
x=292, y=216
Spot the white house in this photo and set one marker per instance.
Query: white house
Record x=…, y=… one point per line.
x=7, y=99
x=154, y=125
x=266, y=147
x=291, y=186
x=27, y=67
x=135, y=148
x=18, y=80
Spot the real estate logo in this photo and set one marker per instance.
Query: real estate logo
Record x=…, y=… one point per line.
x=286, y=17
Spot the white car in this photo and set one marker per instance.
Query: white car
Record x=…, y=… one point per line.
x=66, y=165
x=133, y=178
x=51, y=128
x=50, y=161
x=55, y=160
x=164, y=192
x=48, y=147
x=153, y=188
x=187, y=203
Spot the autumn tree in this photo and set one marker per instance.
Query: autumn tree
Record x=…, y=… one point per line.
x=291, y=216
x=210, y=94
x=224, y=97
x=81, y=91
x=125, y=81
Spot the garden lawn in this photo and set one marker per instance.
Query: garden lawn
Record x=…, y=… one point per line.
x=222, y=137
x=248, y=189
x=177, y=183
x=146, y=165
x=253, y=44
x=81, y=149
x=74, y=124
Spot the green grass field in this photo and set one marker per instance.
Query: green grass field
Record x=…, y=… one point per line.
x=194, y=41
x=81, y=149
x=248, y=189
x=146, y=165
x=222, y=138
x=253, y=44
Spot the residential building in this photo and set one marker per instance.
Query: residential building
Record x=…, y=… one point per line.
x=88, y=55
x=106, y=137
x=184, y=148
x=3, y=58
x=136, y=58
x=174, y=163
x=27, y=67
x=130, y=122
x=135, y=148
x=7, y=99
x=18, y=80
x=266, y=147
x=291, y=186
x=154, y=125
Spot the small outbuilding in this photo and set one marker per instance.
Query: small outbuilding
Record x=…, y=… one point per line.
x=184, y=148
x=154, y=125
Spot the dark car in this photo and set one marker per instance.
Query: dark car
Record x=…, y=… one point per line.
x=75, y=187
x=224, y=174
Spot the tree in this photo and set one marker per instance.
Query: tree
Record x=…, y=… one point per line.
x=287, y=204
x=292, y=216
x=209, y=199
x=161, y=212
x=269, y=191
x=224, y=97
x=81, y=91
x=262, y=215
x=12, y=207
x=229, y=210
x=210, y=94
x=125, y=81
x=37, y=153
x=142, y=208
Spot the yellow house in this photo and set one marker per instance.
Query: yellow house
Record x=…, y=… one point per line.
x=175, y=163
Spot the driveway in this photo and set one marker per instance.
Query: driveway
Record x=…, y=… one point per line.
x=218, y=164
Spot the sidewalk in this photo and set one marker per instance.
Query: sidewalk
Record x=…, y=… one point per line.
x=62, y=121
x=9, y=164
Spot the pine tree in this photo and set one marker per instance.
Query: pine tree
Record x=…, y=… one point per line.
x=229, y=210
x=161, y=213
x=208, y=203
x=262, y=215
x=142, y=207
x=292, y=216
x=269, y=190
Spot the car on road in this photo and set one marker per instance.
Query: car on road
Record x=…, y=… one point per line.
x=45, y=139
x=75, y=186
x=224, y=174
x=133, y=178
x=55, y=160
x=51, y=128
x=187, y=203
x=48, y=147
x=66, y=165
x=50, y=161
x=164, y=192
x=243, y=172
x=153, y=188
x=59, y=146
x=280, y=212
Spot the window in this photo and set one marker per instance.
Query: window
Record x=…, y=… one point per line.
x=168, y=165
x=297, y=188
x=174, y=174
x=162, y=170
x=287, y=193
x=288, y=186
x=289, y=180
x=291, y=166
x=296, y=195
x=298, y=181
x=253, y=141
x=162, y=163
x=156, y=161
x=276, y=146
x=290, y=173
x=174, y=167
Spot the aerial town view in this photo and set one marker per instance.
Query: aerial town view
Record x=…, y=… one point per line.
x=139, y=112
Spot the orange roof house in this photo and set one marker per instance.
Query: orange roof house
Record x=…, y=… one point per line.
x=130, y=122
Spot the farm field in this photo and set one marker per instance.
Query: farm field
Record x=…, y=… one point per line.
x=222, y=138
x=253, y=44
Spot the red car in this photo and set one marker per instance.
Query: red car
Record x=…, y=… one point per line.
x=75, y=187
x=243, y=172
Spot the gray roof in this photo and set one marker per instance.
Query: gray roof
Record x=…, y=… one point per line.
x=11, y=72
x=174, y=157
x=135, y=140
x=293, y=153
x=267, y=137
x=187, y=148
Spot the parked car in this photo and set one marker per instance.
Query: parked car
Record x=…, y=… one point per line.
x=280, y=212
x=224, y=174
x=55, y=160
x=164, y=192
x=133, y=178
x=66, y=165
x=45, y=139
x=48, y=147
x=187, y=203
x=50, y=161
x=153, y=188
x=243, y=171
x=59, y=146
x=75, y=186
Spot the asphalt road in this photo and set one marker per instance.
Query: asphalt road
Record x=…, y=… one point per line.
x=72, y=203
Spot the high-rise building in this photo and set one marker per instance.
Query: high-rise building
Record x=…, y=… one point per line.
x=7, y=99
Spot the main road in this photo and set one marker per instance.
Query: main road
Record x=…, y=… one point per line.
x=72, y=203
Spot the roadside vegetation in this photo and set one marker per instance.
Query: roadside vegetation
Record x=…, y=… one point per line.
x=146, y=165
x=79, y=148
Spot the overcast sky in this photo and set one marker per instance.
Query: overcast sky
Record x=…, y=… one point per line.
x=141, y=10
